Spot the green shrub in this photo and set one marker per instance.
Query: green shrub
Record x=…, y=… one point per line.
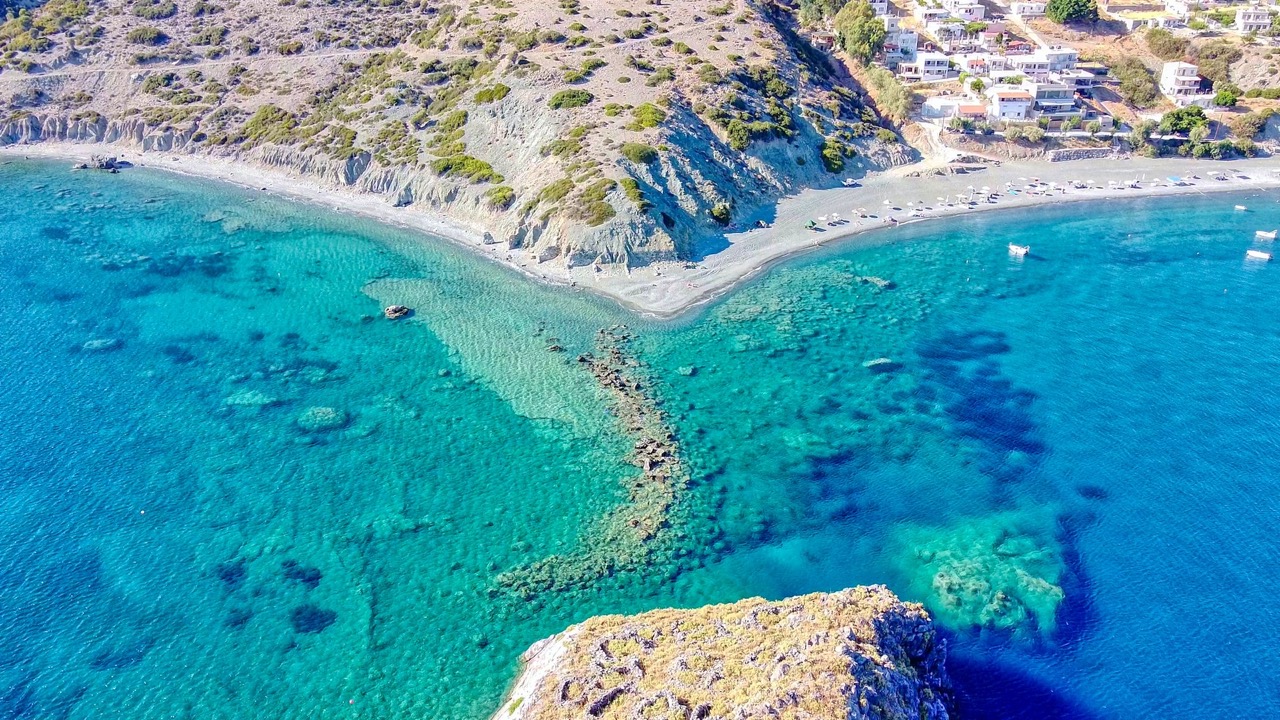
x=146, y=36
x=466, y=167
x=647, y=116
x=292, y=47
x=1165, y=45
x=594, y=210
x=492, y=94
x=271, y=124
x=632, y=190
x=568, y=99
x=832, y=153
x=722, y=213
x=155, y=9
x=455, y=120
x=639, y=153
x=501, y=197
x=556, y=191
x=210, y=36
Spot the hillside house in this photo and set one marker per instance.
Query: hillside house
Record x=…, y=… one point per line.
x=1010, y=104
x=1252, y=19
x=1027, y=9
x=1180, y=82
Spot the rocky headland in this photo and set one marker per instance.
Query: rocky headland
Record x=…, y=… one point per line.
x=857, y=653
x=570, y=133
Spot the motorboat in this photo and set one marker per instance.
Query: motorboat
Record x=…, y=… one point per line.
x=1019, y=250
x=1265, y=234
x=1241, y=208
x=1257, y=255
x=849, y=182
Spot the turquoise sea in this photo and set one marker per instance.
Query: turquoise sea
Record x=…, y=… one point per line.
x=230, y=489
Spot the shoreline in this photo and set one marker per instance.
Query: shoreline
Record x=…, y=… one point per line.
x=666, y=290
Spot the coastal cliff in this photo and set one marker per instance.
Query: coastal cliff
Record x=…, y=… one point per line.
x=574, y=133
x=857, y=653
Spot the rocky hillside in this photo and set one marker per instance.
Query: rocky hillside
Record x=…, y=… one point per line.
x=858, y=653
x=580, y=131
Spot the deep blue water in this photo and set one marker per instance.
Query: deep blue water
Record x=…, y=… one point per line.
x=1071, y=459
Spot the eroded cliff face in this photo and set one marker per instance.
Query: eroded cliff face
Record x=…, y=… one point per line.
x=857, y=653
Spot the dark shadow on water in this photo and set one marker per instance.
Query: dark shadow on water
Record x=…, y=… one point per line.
x=990, y=690
x=1077, y=614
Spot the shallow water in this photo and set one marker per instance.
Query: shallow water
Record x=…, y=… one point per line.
x=1069, y=458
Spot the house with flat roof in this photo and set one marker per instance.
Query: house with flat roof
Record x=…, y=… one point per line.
x=1252, y=19
x=900, y=44
x=927, y=67
x=1180, y=82
x=1027, y=9
x=1009, y=104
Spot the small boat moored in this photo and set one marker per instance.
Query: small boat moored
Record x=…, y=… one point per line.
x=395, y=312
x=1019, y=250
x=1265, y=234
x=1241, y=208
x=1257, y=255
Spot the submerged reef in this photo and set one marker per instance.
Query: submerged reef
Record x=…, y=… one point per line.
x=857, y=653
x=625, y=537
x=1002, y=572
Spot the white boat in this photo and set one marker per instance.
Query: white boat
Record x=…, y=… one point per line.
x=1019, y=250
x=1241, y=207
x=849, y=182
x=1257, y=255
x=1265, y=234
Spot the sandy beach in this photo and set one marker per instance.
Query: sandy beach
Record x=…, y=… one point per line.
x=895, y=198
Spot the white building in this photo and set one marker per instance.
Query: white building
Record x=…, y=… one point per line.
x=1035, y=66
x=1180, y=9
x=1180, y=82
x=1010, y=104
x=1253, y=19
x=1027, y=9
x=1053, y=98
x=928, y=67
x=929, y=14
x=1060, y=57
x=880, y=7
x=900, y=44
x=966, y=10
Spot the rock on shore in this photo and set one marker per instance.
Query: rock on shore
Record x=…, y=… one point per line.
x=857, y=653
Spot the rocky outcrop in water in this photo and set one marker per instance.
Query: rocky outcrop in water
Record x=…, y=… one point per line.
x=857, y=653
x=625, y=538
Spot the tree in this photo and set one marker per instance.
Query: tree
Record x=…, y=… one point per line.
x=1070, y=123
x=959, y=124
x=1141, y=133
x=977, y=86
x=1094, y=127
x=1034, y=134
x=1012, y=133
x=861, y=33
x=1225, y=98
x=1199, y=133
x=1183, y=119
x=1065, y=11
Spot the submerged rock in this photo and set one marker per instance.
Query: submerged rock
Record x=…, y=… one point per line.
x=857, y=653
x=1001, y=572
x=102, y=345
x=320, y=419
x=882, y=365
x=310, y=619
x=251, y=399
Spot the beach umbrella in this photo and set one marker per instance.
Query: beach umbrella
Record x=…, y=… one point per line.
x=888, y=202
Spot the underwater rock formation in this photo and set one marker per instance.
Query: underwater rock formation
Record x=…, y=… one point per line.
x=624, y=538
x=320, y=419
x=1000, y=572
x=857, y=653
